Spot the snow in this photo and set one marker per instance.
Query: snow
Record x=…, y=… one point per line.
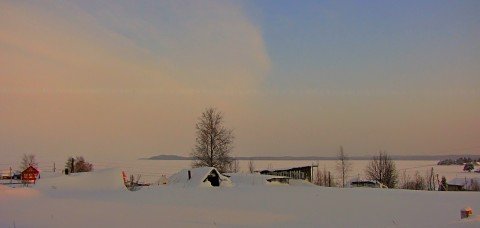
x=8, y=193
x=103, y=180
x=98, y=199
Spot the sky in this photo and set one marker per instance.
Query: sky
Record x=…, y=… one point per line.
x=129, y=79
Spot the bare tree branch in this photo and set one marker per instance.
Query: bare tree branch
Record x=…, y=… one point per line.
x=344, y=166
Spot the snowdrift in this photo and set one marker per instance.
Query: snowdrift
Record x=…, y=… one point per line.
x=101, y=180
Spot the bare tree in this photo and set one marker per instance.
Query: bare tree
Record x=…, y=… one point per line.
x=78, y=165
x=443, y=184
x=214, y=142
x=70, y=165
x=404, y=180
x=251, y=166
x=418, y=183
x=234, y=166
x=325, y=178
x=82, y=166
x=319, y=178
x=382, y=169
x=430, y=180
x=344, y=166
x=27, y=161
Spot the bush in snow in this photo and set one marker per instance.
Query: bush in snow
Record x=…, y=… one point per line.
x=418, y=183
x=78, y=165
x=468, y=167
x=382, y=169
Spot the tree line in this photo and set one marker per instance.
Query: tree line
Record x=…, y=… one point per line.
x=76, y=164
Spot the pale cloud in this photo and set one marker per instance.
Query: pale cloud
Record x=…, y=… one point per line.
x=118, y=77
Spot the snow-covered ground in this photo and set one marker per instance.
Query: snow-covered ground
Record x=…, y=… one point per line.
x=99, y=199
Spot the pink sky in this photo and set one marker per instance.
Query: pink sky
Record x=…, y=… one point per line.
x=108, y=82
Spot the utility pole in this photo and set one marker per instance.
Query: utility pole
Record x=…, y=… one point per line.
x=11, y=176
x=324, y=176
x=72, y=166
x=329, y=179
x=54, y=167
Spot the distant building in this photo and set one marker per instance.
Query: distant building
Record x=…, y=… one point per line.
x=301, y=173
x=6, y=174
x=464, y=184
x=30, y=175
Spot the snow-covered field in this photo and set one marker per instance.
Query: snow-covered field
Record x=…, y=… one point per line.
x=99, y=199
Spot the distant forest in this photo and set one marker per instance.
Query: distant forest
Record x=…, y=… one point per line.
x=458, y=161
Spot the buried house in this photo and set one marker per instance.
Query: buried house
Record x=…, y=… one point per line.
x=199, y=177
x=464, y=184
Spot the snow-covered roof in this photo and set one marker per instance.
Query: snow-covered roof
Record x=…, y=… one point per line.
x=463, y=181
x=357, y=179
x=360, y=180
x=198, y=177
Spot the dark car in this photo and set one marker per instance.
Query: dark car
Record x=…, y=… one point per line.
x=17, y=175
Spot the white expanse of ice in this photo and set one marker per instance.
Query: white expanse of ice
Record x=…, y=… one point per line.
x=99, y=199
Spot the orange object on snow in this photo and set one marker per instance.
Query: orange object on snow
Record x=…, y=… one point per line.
x=466, y=212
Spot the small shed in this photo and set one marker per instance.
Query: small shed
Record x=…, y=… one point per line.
x=30, y=175
x=199, y=177
x=6, y=174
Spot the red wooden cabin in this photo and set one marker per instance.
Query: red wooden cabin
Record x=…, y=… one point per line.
x=30, y=175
